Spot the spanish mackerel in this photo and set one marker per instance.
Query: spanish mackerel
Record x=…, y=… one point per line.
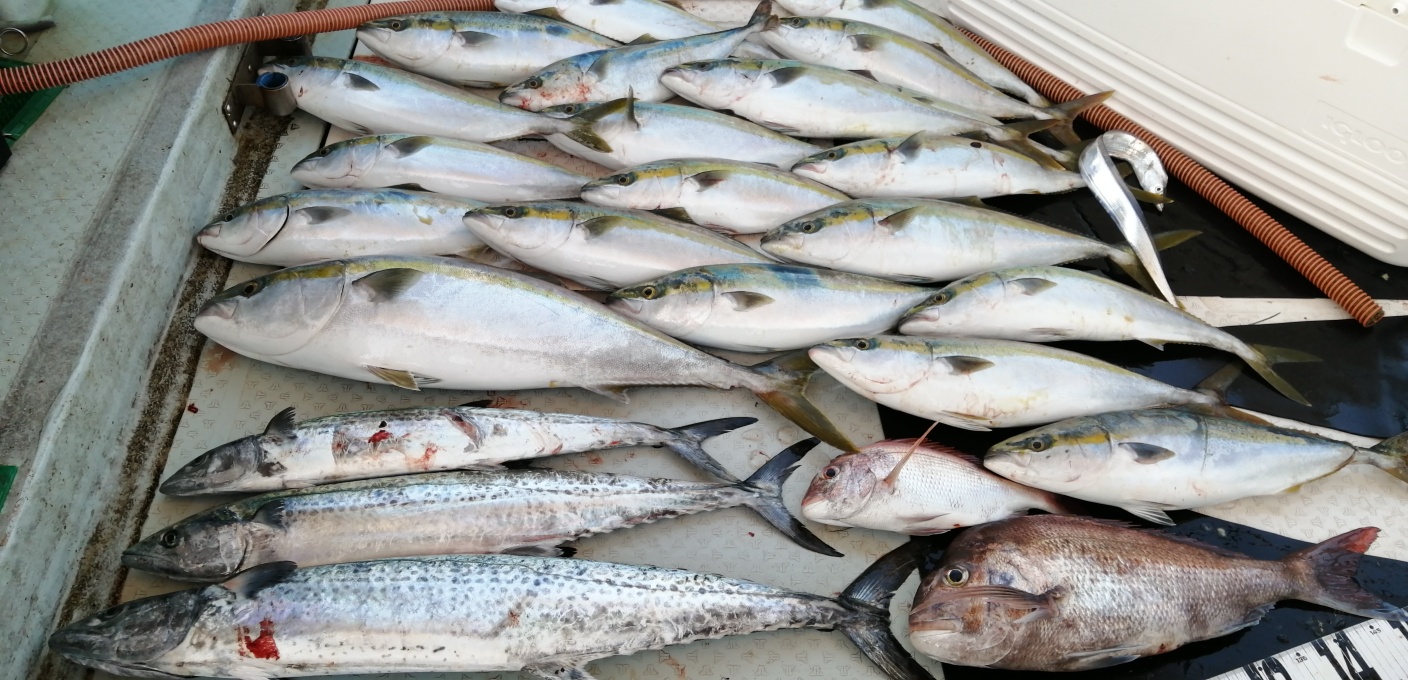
x=417, y=322
x=728, y=196
x=369, y=444
x=630, y=20
x=1052, y=304
x=632, y=70
x=477, y=49
x=312, y=225
x=1151, y=461
x=448, y=166
x=526, y=512
x=374, y=99
x=982, y=384
x=603, y=248
x=547, y=615
x=766, y=307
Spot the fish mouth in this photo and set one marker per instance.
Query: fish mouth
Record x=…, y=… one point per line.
x=219, y=309
x=210, y=233
x=376, y=34
x=628, y=306
x=1002, y=459
x=921, y=315
x=814, y=168
x=514, y=98
x=832, y=354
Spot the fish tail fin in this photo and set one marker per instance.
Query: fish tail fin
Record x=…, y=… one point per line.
x=767, y=482
x=869, y=597
x=784, y=386
x=760, y=17
x=1068, y=112
x=1389, y=455
x=689, y=439
x=1060, y=505
x=1326, y=573
x=1262, y=357
x=1123, y=256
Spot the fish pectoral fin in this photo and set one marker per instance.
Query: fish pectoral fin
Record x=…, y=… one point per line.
x=786, y=74
x=614, y=392
x=1101, y=658
x=864, y=73
x=898, y=220
x=644, y=39
x=270, y=514
x=542, y=550
x=357, y=82
x=743, y=300
x=387, y=284
x=865, y=43
x=1042, y=606
x=1031, y=285
x=914, y=525
x=561, y=672
x=409, y=147
x=709, y=178
x=966, y=421
x=281, y=425
x=597, y=227
x=1156, y=344
x=677, y=214
x=970, y=201
x=403, y=379
x=1147, y=454
x=964, y=365
x=249, y=582
x=778, y=127
x=1147, y=511
x=473, y=38
x=1252, y=618
x=322, y=213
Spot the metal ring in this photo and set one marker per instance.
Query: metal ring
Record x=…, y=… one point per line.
x=23, y=36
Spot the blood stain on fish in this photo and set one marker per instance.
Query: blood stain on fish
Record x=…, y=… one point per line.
x=261, y=647
x=423, y=462
x=379, y=437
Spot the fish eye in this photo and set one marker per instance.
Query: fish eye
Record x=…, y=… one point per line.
x=943, y=297
x=811, y=227
x=533, y=83
x=322, y=152
x=956, y=576
x=649, y=292
x=1038, y=444
x=396, y=25
x=976, y=145
x=862, y=344
x=625, y=180
x=170, y=539
x=833, y=155
x=830, y=472
x=227, y=217
x=569, y=108
x=795, y=22
x=706, y=66
x=510, y=212
x=250, y=288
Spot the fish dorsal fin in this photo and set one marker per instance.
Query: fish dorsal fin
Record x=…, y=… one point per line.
x=249, y=582
x=898, y=220
x=1147, y=454
x=388, y=284
x=357, y=82
x=410, y=186
x=631, y=108
x=322, y=213
x=1031, y=285
x=964, y=365
x=548, y=12
x=709, y=178
x=600, y=66
x=281, y=425
x=644, y=39
x=270, y=514
x=942, y=448
x=474, y=38
x=865, y=42
x=743, y=300
x=911, y=146
x=597, y=227
x=1193, y=542
x=409, y=146
x=403, y=379
x=677, y=214
x=864, y=73
x=786, y=74
x=890, y=480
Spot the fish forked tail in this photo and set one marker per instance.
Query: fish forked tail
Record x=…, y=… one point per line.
x=1389, y=455
x=1068, y=112
x=1262, y=357
x=783, y=384
x=688, y=443
x=1325, y=572
x=869, y=597
x=1123, y=257
x=767, y=484
x=762, y=14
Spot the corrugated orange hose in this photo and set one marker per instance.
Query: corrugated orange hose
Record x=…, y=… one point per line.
x=1255, y=220
x=210, y=36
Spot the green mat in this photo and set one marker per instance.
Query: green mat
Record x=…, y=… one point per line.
x=7, y=478
x=19, y=111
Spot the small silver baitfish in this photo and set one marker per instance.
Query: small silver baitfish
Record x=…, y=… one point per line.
x=1151, y=461
x=477, y=49
x=454, y=614
x=765, y=307
x=370, y=444
x=525, y=512
x=442, y=165
x=374, y=99
x=1053, y=593
x=325, y=224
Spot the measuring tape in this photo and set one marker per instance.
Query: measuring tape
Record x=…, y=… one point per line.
x=1373, y=650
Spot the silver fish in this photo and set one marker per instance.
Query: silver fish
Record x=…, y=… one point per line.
x=448, y=166
x=547, y=615
x=905, y=17
x=1051, y=593
x=477, y=49
x=917, y=488
x=765, y=307
x=728, y=196
x=325, y=224
x=371, y=444
x=416, y=322
x=626, y=132
x=982, y=384
x=1148, y=462
x=911, y=239
x=373, y=99
x=1051, y=304
x=604, y=248
x=525, y=512
x=1104, y=181
x=631, y=70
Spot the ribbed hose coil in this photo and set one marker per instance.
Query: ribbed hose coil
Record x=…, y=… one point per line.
x=210, y=36
x=1252, y=218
